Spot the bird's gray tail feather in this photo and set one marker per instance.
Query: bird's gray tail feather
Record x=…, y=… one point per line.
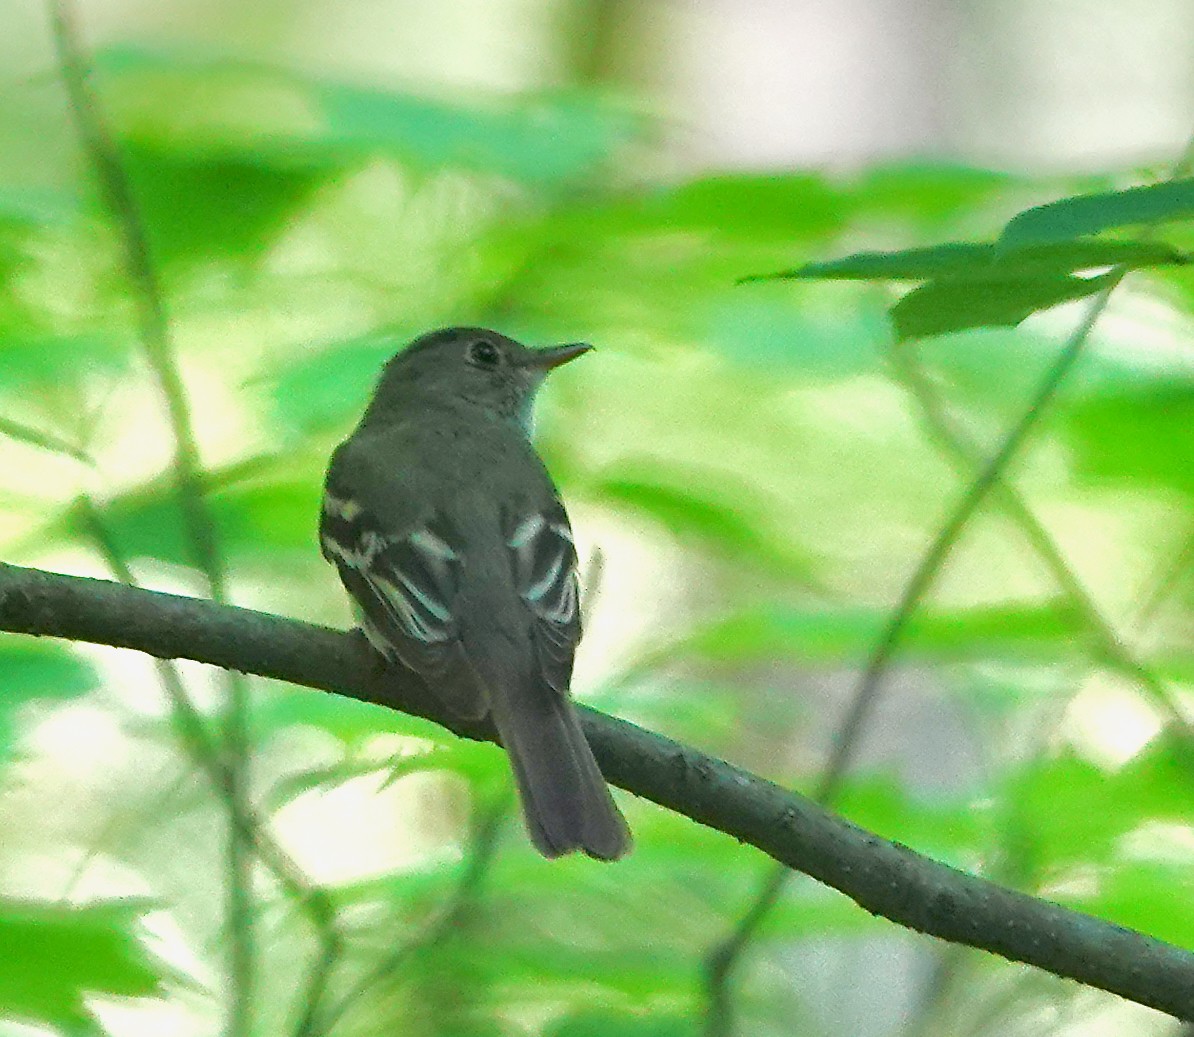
x=565, y=800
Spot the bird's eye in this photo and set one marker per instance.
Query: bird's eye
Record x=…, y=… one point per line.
x=484, y=353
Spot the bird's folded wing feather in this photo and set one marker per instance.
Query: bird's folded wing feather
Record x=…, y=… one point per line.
x=406, y=587
x=543, y=559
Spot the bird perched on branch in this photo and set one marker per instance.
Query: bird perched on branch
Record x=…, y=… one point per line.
x=451, y=539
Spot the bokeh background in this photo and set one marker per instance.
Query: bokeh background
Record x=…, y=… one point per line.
x=758, y=466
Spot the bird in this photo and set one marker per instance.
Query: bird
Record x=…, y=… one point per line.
x=454, y=546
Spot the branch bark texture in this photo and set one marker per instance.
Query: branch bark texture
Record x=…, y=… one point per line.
x=882, y=877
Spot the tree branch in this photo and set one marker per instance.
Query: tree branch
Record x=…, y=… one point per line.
x=883, y=877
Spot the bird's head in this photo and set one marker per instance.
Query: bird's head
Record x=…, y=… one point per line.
x=470, y=367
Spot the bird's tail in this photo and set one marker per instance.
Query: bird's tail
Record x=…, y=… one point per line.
x=565, y=800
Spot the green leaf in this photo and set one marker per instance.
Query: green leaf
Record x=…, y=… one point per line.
x=653, y=1023
x=1078, y=813
x=57, y=955
x=43, y=363
x=327, y=388
x=976, y=261
x=350, y=721
x=1152, y=896
x=943, y=306
x=825, y=637
x=727, y=518
x=784, y=339
x=1092, y=213
x=215, y=107
x=458, y=755
x=741, y=206
x=200, y=206
x=543, y=140
x=34, y=207
x=925, y=193
x=261, y=506
x=1134, y=438
x=948, y=829
x=33, y=670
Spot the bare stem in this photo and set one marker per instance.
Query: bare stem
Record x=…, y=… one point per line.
x=101, y=148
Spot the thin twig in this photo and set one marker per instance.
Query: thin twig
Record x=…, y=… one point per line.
x=479, y=855
x=204, y=752
x=1168, y=579
x=953, y=960
x=933, y=561
x=113, y=181
x=23, y=433
x=966, y=455
x=723, y=958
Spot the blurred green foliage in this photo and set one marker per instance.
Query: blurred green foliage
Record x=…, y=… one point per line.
x=56, y=955
x=747, y=436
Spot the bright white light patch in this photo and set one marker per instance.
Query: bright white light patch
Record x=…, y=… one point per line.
x=1109, y=723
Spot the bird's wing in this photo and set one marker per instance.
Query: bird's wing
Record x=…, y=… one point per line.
x=543, y=560
x=405, y=586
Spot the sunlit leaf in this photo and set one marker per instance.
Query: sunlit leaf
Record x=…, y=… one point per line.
x=233, y=111
x=32, y=670
x=350, y=721
x=741, y=206
x=821, y=637
x=1137, y=437
x=327, y=388
x=726, y=517
x=60, y=954
x=1078, y=812
x=625, y=1024
x=1145, y=895
x=948, y=829
x=926, y=192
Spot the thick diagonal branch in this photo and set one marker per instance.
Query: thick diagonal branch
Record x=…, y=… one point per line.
x=884, y=878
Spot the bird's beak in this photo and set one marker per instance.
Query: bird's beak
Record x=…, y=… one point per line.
x=554, y=356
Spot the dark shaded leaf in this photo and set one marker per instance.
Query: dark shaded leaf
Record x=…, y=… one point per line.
x=978, y=261
x=1075, y=217
x=951, y=305
x=199, y=207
